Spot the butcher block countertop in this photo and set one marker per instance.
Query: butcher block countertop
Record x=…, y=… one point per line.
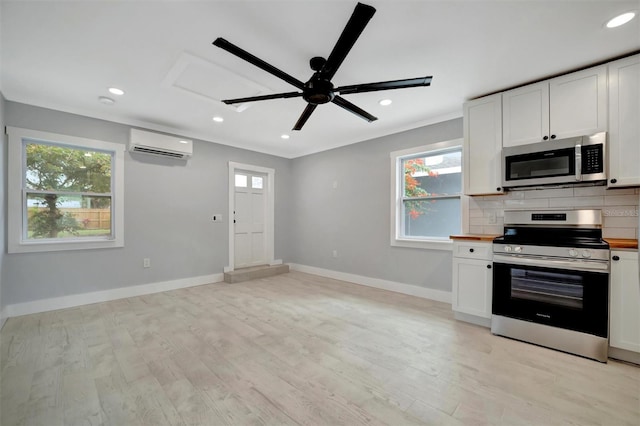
x=474, y=237
x=622, y=243
x=614, y=243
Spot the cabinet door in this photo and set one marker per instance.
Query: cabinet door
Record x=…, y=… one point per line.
x=483, y=146
x=624, y=122
x=625, y=301
x=472, y=286
x=525, y=114
x=578, y=103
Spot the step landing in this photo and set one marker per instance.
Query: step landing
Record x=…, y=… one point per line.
x=255, y=272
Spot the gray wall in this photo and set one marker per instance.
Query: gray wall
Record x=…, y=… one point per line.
x=354, y=218
x=167, y=209
x=3, y=203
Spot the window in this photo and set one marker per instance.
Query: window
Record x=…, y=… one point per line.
x=426, y=200
x=241, y=181
x=65, y=192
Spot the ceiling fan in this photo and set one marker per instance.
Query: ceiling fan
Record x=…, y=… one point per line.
x=319, y=89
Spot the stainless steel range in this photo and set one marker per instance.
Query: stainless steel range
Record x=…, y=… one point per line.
x=551, y=281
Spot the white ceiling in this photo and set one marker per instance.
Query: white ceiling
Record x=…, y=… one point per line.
x=64, y=55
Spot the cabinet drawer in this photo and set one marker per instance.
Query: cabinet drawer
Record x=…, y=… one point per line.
x=469, y=250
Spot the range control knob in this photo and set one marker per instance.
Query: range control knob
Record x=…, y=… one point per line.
x=517, y=249
x=586, y=253
x=507, y=249
x=573, y=253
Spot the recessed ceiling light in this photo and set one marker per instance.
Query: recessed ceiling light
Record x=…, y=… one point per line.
x=218, y=119
x=385, y=102
x=183, y=141
x=620, y=19
x=116, y=91
x=106, y=101
x=285, y=136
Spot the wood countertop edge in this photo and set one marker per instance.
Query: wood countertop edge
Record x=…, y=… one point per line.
x=473, y=237
x=622, y=243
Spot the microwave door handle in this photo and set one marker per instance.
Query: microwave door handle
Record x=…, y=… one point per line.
x=578, y=160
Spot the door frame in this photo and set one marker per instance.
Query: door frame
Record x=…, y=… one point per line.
x=269, y=223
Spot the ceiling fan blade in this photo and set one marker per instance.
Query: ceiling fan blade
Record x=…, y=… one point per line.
x=305, y=116
x=262, y=98
x=243, y=54
x=356, y=24
x=385, y=85
x=343, y=103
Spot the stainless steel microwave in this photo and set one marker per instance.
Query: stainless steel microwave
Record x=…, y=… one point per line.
x=558, y=162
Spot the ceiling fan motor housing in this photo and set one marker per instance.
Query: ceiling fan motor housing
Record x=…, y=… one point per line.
x=318, y=91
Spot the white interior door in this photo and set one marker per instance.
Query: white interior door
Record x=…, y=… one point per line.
x=250, y=201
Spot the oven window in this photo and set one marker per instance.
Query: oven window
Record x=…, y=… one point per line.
x=556, y=288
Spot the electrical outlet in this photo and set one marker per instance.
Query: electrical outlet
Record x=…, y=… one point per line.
x=492, y=218
x=335, y=253
x=216, y=218
x=146, y=262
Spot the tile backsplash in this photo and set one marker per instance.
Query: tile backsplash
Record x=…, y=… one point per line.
x=619, y=207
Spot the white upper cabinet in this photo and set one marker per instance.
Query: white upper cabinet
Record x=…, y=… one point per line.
x=624, y=122
x=571, y=105
x=525, y=111
x=482, y=146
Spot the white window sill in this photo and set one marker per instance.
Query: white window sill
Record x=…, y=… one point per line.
x=38, y=246
x=434, y=244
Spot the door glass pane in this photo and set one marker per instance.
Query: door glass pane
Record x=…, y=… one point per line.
x=241, y=181
x=68, y=216
x=432, y=218
x=256, y=182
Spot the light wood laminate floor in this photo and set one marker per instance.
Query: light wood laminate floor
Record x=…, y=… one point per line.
x=293, y=349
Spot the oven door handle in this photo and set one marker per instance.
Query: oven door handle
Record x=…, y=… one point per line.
x=547, y=262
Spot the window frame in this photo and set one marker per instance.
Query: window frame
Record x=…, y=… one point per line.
x=397, y=239
x=16, y=203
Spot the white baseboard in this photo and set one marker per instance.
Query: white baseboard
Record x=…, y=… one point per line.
x=3, y=317
x=411, y=290
x=74, y=300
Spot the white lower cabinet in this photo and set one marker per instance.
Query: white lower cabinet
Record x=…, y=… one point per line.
x=624, y=323
x=472, y=279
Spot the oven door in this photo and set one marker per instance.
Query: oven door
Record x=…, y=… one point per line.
x=565, y=294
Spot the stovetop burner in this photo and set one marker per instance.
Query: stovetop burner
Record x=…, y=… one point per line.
x=573, y=229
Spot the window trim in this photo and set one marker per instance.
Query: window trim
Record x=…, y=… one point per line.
x=16, y=243
x=396, y=157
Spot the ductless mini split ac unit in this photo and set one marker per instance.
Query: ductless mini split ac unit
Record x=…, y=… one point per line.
x=150, y=143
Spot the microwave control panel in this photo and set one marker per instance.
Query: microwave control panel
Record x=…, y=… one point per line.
x=592, y=159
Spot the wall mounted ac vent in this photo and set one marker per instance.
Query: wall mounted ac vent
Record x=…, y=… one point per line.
x=150, y=143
